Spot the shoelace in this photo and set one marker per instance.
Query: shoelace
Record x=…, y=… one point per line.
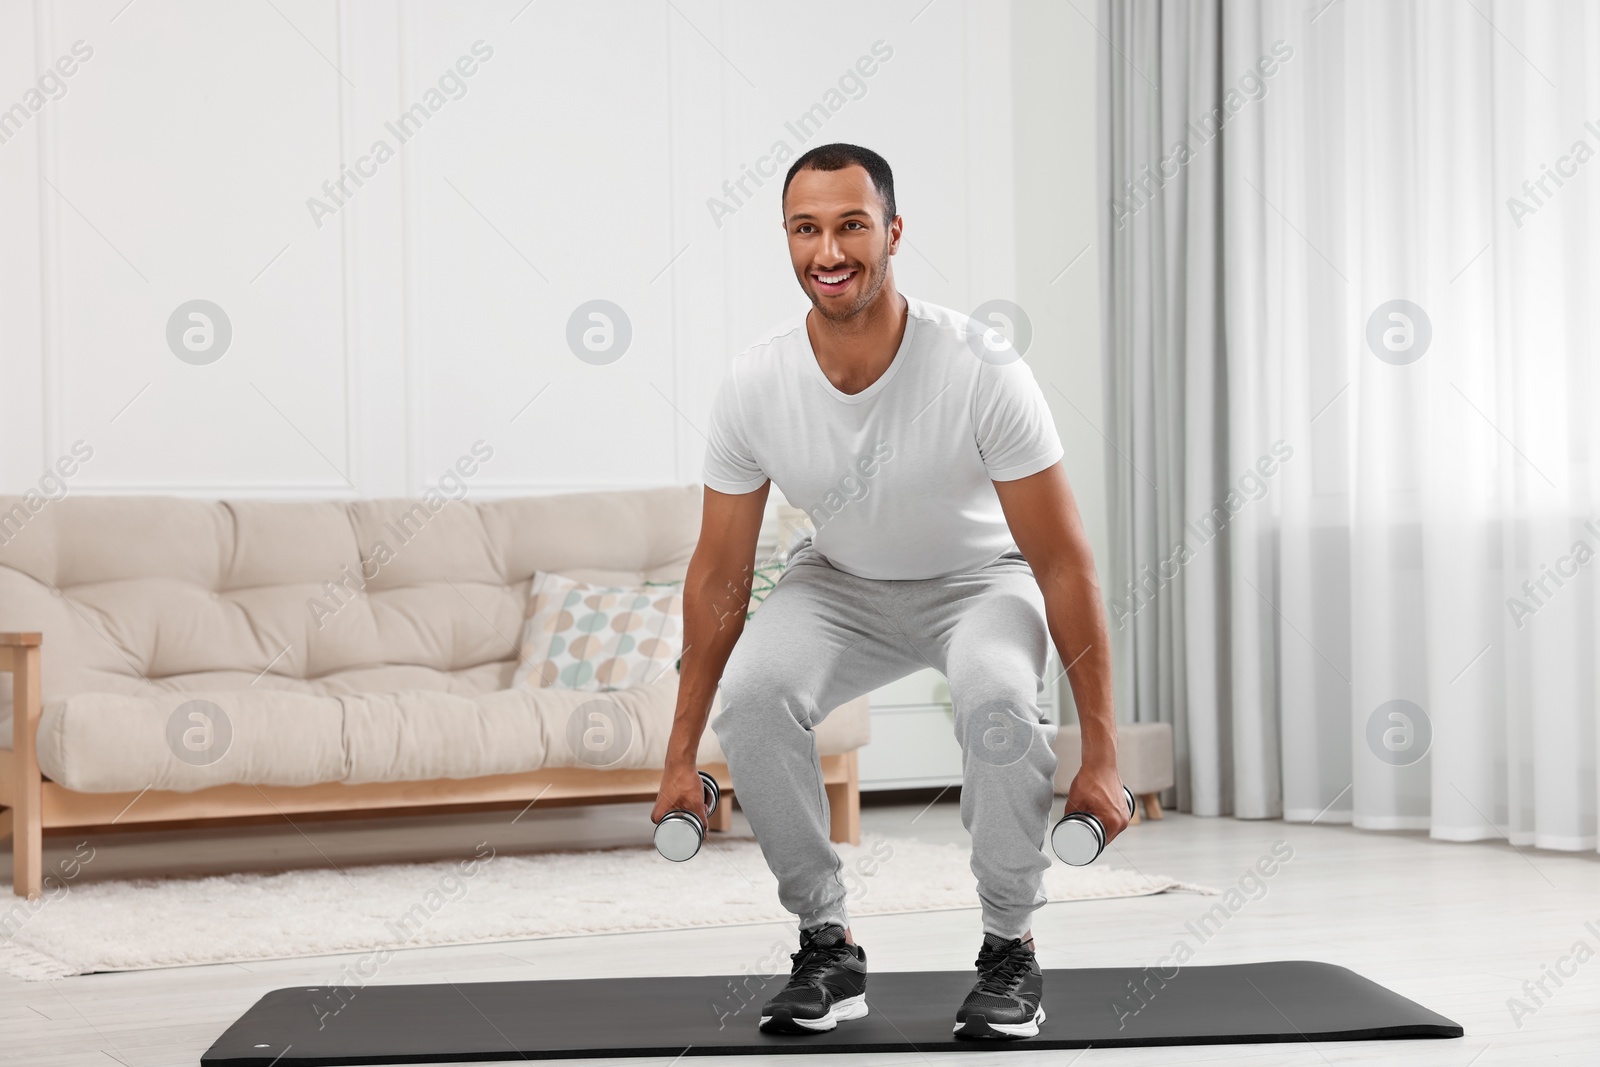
x=813, y=958
x=1004, y=966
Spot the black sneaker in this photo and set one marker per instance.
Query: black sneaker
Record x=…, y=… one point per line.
x=828, y=983
x=1006, y=1001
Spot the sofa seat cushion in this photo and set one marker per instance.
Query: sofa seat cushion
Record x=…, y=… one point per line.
x=118, y=742
x=390, y=677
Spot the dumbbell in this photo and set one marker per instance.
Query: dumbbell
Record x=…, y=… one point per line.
x=1079, y=837
x=680, y=833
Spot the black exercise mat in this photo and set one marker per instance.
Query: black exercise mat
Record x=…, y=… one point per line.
x=1293, y=1000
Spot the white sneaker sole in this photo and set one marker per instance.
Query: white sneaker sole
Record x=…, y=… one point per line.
x=842, y=1011
x=989, y=1029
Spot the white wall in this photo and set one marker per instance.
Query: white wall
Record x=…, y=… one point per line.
x=1058, y=256
x=431, y=308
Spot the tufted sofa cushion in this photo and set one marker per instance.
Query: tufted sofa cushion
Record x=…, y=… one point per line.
x=350, y=641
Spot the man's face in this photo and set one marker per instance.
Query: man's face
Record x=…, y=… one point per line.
x=838, y=243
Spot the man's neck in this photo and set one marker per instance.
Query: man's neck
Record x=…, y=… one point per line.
x=855, y=353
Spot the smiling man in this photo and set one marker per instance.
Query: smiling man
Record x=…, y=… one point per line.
x=955, y=545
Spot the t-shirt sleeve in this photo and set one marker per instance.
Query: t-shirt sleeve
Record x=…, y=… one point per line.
x=730, y=465
x=1016, y=432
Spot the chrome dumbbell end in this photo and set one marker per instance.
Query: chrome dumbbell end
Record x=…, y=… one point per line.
x=680, y=833
x=1079, y=838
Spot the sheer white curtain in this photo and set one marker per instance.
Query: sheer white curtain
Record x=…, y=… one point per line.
x=1408, y=223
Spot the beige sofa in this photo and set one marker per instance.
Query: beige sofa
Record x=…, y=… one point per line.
x=393, y=694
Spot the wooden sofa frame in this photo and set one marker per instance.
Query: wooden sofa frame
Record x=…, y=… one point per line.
x=33, y=806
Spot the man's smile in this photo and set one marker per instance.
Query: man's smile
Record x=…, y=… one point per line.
x=832, y=283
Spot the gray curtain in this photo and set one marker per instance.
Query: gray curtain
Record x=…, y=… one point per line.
x=1350, y=388
x=1162, y=124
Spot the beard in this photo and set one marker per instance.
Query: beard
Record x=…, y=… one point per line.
x=869, y=292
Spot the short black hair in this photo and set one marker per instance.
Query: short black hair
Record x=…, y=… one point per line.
x=840, y=156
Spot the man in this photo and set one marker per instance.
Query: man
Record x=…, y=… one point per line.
x=946, y=536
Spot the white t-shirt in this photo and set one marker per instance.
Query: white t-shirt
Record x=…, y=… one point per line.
x=898, y=478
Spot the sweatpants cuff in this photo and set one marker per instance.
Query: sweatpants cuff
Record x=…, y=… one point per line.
x=817, y=919
x=1007, y=927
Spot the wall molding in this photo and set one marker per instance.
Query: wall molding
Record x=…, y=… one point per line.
x=376, y=284
x=49, y=170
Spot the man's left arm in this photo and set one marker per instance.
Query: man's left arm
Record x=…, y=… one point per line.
x=1044, y=522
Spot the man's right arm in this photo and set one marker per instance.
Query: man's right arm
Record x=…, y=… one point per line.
x=716, y=597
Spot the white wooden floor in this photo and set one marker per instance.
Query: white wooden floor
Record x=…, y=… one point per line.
x=1458, y=928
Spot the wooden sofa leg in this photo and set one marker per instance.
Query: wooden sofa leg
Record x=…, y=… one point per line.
x=27, y=855
x=844, y=805
x=722, y=818
x=1152, y=806
x=19, y=654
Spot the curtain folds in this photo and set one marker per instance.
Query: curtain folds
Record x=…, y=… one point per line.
x=1349, y=255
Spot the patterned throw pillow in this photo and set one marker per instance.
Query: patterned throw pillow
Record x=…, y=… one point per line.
x=596, y=637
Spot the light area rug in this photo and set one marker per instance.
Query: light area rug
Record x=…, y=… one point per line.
x=481, y=897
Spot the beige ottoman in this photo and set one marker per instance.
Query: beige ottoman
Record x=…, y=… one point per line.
x=1144, y=759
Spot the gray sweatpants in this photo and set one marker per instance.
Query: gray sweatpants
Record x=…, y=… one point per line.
x=823, y=637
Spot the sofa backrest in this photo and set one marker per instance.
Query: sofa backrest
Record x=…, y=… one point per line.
x=332, y=597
